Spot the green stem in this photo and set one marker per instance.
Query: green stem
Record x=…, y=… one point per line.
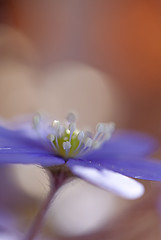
x=59, y=176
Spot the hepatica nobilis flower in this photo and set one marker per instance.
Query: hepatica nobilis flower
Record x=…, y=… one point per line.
x=99, y=158
x=104, y=159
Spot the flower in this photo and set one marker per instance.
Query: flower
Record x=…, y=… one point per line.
x=105, y=161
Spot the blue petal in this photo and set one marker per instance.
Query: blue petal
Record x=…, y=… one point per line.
x=135, y=167
x=16, y=147
x=17, y=142
x=76, y=162
x=132, y=142
x=40, y=159
x=125, y=143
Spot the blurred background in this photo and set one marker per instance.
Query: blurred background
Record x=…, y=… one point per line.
x=100, y=59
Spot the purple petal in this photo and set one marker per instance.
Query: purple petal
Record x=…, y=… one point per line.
x=40, y=159
x=132, y=142
x=76, y=162
x=125, y=143
x=135, y=167
x=112, y=181
x=16, y=141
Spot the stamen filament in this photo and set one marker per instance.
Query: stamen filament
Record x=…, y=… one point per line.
x=80, y=138
x=57, y=144
x=53, y=145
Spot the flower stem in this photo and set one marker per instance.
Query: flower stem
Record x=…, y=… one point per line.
x=58, y=177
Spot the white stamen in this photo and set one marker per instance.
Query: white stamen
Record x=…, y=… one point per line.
x=55, y=123
x=36, y=120
x=68, y=137
x=88, y=142
x=88, y=134
x=100, y=128
x=55, y=126
x=109, y=127
x=87, y=146
x=60, y=130
x=80, y=138
x=71, y=118
x=51, y=137
x=66, y=146
x=80, y=135
x=72, y=128
x=96, y=145
x=56, y=140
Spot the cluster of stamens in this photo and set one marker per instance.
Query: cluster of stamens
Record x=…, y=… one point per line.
x=67, y=141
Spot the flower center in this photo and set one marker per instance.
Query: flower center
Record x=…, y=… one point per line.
x=67, y=141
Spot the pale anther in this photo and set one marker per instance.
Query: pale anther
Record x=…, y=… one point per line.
x=107, y=136
x=88, y=142
x=110, y=127
x=60, y=130
x=71, y=118
x=72, y=127
x=66, y=145
x=36, y=120
x=55, y=123
x=100, y=128
x=80, y=135
x=96, y=145
x=51, y=137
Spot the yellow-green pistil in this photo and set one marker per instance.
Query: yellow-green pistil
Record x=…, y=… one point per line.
x=65, y=146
